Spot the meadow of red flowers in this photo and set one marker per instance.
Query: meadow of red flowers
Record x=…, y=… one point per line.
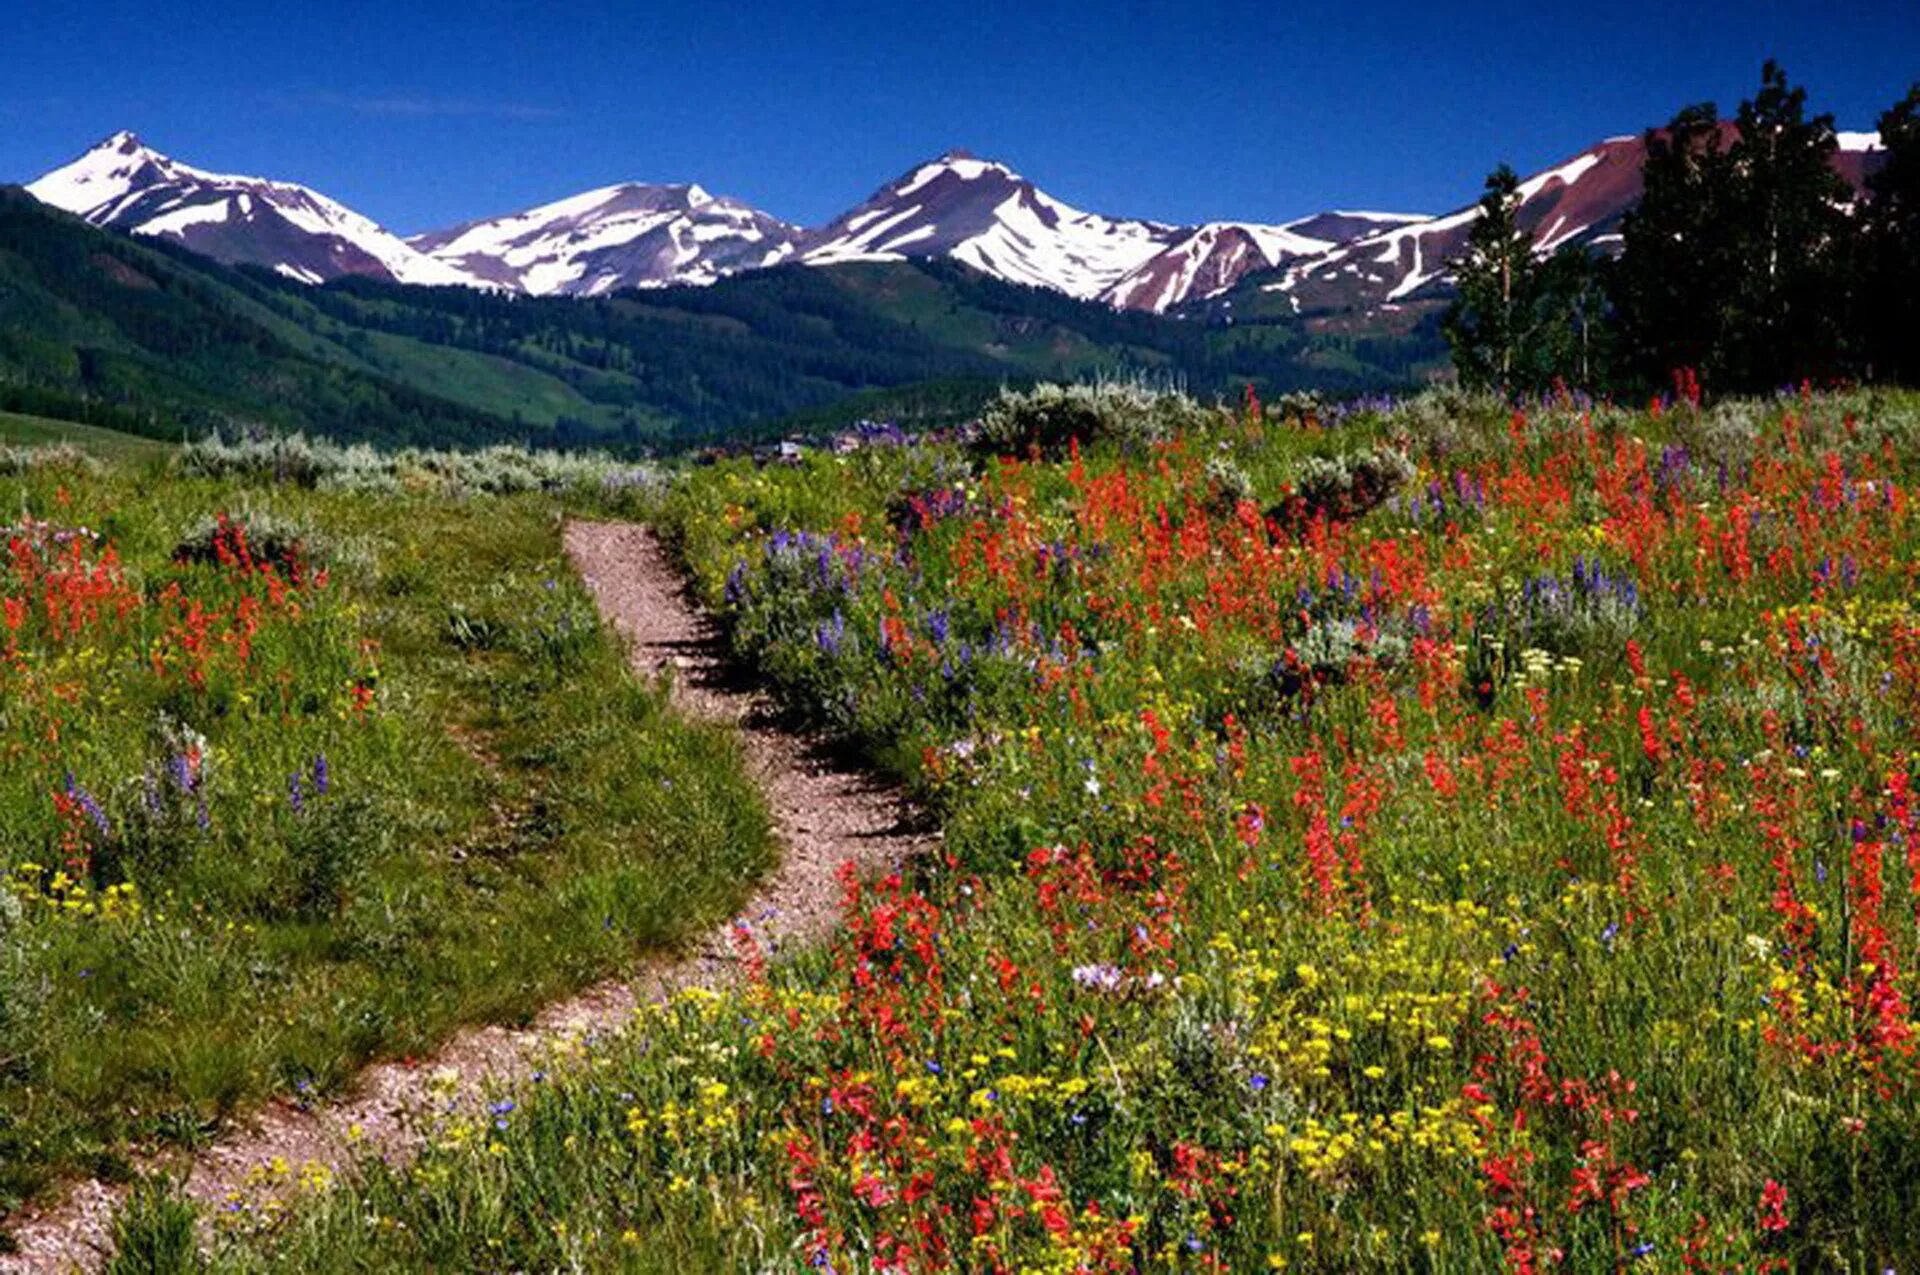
x=1434, y=836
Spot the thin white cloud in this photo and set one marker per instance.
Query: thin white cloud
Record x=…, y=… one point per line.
x=404, y=106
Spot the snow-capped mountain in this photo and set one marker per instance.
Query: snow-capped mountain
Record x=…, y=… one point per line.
x=1207, y=260
x=633, y=235
x=125, y=184
x=626, y=236
x=988, y=216
x=1582, y=201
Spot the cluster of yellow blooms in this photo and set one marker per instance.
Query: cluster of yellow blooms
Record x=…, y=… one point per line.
x=62, y=893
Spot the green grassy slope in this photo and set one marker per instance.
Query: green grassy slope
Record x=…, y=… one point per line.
x=33, y=431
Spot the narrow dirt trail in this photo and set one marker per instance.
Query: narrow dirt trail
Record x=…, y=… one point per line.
x=825, y=818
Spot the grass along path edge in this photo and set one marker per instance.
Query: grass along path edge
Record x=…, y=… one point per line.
x=827, y=820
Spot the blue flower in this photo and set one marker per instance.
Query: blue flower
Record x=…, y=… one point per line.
x=91, y=808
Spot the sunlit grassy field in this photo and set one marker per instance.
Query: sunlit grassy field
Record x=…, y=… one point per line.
x=292, y=778
x=1428, y=837
x=21, y=431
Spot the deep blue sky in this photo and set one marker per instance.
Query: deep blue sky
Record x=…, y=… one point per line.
x=429, y=113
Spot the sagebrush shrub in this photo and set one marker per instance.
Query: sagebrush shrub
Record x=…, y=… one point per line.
x=264, y=539
x=319, y=463
x=1343, y=488
x=1227, y=485
x=19, y=460
x=1053, y=417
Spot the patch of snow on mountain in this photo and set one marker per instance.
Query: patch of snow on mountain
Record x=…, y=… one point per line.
x=1567, y=174
x=176, y=220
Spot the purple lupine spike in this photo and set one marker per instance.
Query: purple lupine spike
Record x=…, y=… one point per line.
x=88, y=805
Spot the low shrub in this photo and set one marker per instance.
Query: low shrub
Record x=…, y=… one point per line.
x=255, y=539
x=1051, y=418
x=19, y=460
x=1343, y=488
x=319, y=463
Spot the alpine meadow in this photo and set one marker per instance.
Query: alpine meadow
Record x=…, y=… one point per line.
x=946, y=731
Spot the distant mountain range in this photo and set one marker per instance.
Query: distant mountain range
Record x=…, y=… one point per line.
x=655, y=315
x=959, y=207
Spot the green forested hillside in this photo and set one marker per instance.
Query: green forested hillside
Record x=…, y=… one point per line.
x=144, y=337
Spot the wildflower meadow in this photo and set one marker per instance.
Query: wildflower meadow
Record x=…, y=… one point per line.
x=1438, y=836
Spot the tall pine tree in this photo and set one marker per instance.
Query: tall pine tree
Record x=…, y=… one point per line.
x=1791, y=229
x=1890, y=316
x=1673, y=283
x=1735, y=261
x=1492, y=321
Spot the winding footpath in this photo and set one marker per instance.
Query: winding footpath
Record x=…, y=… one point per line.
x=825, y=818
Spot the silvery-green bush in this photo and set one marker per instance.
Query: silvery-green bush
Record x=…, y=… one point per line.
x=1227, y=485
x=1051, y=417
x=19, y=460
x=318, y=463
x=1343, y=488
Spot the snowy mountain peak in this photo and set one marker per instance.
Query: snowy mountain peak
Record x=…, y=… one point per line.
x=985, y=214
x=106, y=171
x=633, y=235
x=123, y=183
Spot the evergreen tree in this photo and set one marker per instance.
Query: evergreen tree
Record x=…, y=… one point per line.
x=1735, y=261
x=1575, y=345
x=1492, y=319
x=1889, y=319
x=1791, y=230
x=1673, y=284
